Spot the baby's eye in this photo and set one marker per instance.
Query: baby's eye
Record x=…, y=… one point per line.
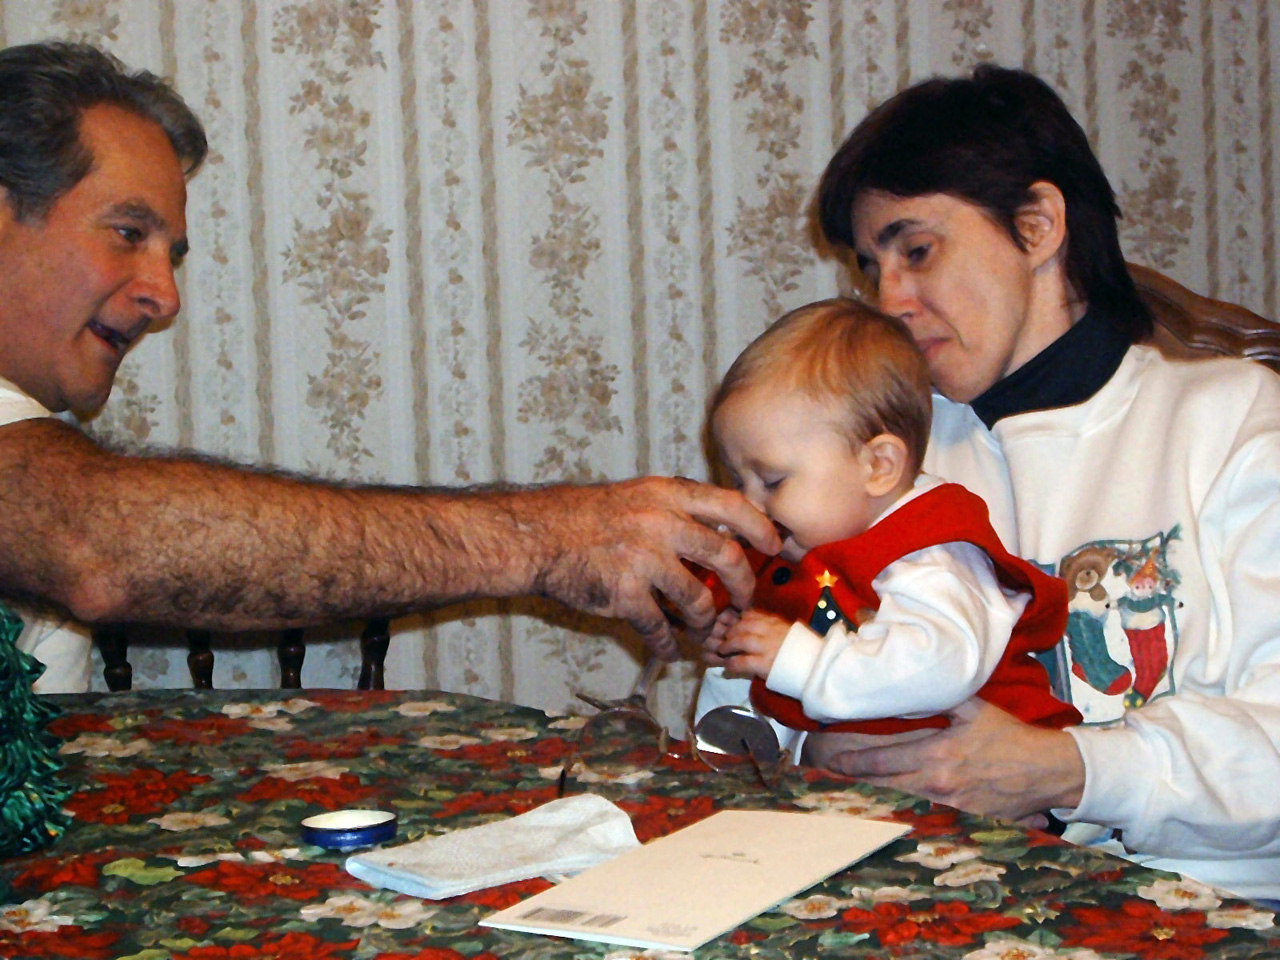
x=772, y=485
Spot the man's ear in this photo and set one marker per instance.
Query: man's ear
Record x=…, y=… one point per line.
x=886, y=458
x=6, y=210
x=1042, y=223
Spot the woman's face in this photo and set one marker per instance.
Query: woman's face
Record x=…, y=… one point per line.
x=959, y=282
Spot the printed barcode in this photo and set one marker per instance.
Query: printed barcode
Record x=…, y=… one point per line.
x=580, y=917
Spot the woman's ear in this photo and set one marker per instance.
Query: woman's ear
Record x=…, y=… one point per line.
x=886, y=459
x=1042, y=223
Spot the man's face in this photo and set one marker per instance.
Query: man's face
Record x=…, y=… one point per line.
x=79, y=287
x=794, y=463
x=958, y=281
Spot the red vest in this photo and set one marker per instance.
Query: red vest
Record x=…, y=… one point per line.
x=946, y=514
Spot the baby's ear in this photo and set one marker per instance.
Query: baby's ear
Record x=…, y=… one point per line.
x=886, y=458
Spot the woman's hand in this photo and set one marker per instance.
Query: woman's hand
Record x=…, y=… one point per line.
x=986, y=762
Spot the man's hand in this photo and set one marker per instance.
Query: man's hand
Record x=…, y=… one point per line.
x=612, y=547
x=986, y=762
x=750, y=644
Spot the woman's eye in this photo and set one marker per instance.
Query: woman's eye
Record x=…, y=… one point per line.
x=917, y=254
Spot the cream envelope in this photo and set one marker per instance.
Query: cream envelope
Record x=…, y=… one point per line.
x=683, y=889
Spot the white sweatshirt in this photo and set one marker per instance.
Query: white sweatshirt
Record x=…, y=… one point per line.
x=1159, y=501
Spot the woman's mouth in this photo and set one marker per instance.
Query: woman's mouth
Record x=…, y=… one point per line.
x=929, y=345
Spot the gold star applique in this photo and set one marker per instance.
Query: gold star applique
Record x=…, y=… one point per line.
x=827, y=579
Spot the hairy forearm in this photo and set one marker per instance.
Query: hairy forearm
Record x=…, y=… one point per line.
x=179, y=541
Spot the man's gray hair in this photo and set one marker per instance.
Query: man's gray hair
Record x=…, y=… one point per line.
x=45, y=89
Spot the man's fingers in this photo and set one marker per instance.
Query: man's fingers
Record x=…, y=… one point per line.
x=718, y=507
x=653, y=627
x=724, y=557
x=686, y=595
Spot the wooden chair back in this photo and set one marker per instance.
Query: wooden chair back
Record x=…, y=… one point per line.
x=1191, y=326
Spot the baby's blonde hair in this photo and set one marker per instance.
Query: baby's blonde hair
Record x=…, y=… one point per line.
x=843, y=351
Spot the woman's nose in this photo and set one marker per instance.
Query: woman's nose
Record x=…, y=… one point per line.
x=894, y=296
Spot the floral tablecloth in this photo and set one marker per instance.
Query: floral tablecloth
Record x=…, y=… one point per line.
x=185, y=846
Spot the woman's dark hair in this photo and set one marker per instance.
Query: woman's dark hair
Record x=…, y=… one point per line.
x=986, y=139
x=45, y=89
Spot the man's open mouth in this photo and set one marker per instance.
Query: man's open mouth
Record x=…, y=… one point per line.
x=120, y=341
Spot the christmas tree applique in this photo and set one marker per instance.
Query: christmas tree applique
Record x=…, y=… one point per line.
x=826, y=611
x=31, y=795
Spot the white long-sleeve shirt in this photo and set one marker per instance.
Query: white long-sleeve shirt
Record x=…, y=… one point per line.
x=942, y=626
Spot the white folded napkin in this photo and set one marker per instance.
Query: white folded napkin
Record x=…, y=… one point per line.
x=561, y=836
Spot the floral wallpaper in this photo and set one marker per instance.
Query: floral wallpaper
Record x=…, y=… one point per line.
x=457, y=241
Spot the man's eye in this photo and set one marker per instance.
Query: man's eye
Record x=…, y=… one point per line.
x=130, y=234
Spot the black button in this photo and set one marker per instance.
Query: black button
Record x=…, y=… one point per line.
x=781, y=576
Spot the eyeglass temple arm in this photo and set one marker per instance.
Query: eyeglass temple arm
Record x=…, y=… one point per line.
x=652, y=668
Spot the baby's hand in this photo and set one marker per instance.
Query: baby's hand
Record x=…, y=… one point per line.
x=715, y=640
x=751, y=644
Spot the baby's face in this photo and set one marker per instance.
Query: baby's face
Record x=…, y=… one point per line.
x=787, y=455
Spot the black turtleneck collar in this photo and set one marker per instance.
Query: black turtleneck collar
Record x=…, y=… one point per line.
x=1068, y=371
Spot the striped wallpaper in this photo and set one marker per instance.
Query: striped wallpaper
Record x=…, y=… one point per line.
x=455, y=241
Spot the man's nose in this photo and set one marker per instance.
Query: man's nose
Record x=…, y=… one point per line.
x=156, y=289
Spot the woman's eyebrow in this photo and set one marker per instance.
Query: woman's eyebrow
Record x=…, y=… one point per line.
x=890, y=232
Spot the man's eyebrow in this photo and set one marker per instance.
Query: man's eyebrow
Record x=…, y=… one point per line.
x=137, y=210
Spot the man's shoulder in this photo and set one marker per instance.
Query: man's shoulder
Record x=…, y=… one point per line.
x=16, y=405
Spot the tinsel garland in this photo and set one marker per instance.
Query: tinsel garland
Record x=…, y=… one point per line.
x=31, y=794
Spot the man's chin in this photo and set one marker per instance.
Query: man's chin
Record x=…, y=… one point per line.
x=86, y=406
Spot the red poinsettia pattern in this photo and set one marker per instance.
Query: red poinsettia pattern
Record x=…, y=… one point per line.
x=192, y=848
x=262, y=881
x=328, y=793
x=1141, y=928
x=287, y=946
x=122, y=796
x=949, y=924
